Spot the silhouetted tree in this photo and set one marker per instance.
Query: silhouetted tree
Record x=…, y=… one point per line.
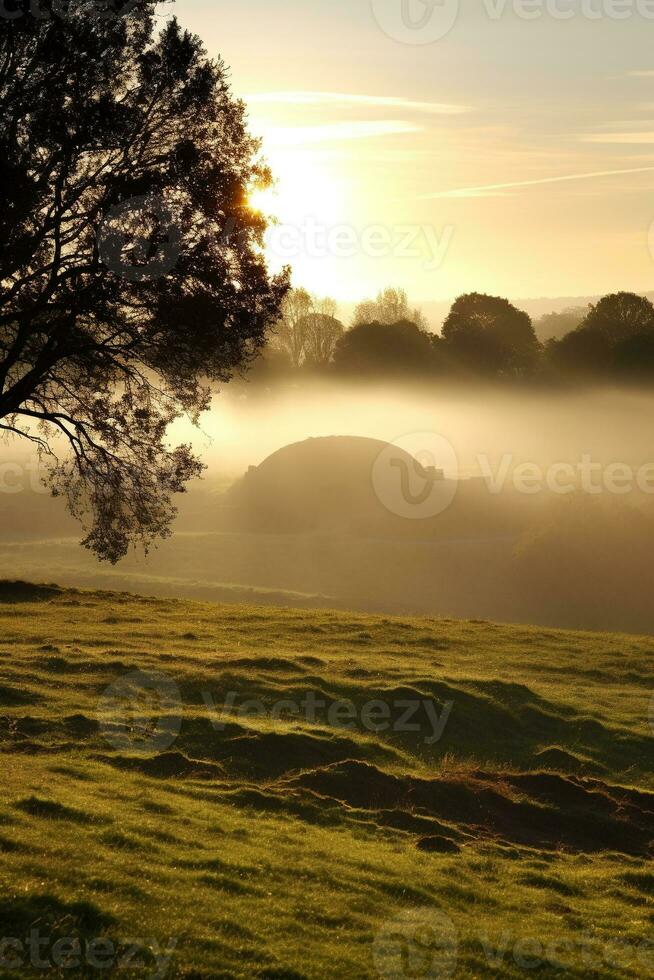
x=489, y=336
x=633, y=359
x=131, y=272
x=291, y=330
x=615, y=340
x=271, y=366
x=307, y=331
x=323, y=331
x=380, y=348
x=620, y=316
x=391, y=306
x=583, y=352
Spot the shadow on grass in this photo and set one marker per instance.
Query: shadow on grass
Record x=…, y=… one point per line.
x=36, y=806
x=52, y=916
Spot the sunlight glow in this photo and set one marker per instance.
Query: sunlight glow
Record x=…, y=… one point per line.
x=309, y=193
x=303, y=187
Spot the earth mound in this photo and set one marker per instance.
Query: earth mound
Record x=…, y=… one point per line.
x=346, y=484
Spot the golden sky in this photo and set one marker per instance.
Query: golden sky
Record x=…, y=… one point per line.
x=513, y=154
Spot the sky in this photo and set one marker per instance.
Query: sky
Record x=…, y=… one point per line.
x=501, y=146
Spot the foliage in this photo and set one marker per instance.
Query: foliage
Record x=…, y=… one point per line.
x=615, y=340
x=384, y=348
x=391, y=306
x=489, y=336
x=131, y=273
x=483, y=337
x=290, y=334
x=323, y=332
x=620, y=316
x=307, y=331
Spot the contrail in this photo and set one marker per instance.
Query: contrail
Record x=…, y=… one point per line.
x=471, y=191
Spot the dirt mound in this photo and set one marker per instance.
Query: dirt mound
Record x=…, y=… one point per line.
x=319, y=484
x=554, y=757
x=534, y=809
x=167, y=765
x=438, y=845
x=272, y=754
x=11, y=697
x=18, y=734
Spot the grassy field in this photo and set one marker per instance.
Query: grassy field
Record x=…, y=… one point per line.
x=219, y=791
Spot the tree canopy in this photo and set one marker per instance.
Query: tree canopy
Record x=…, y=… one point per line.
x=483, y=337
x=131, y=268
x=488, y=335
x=620, y=316
x=390, y=306
x=383, y=348
x=615, y=340
x=307, y=330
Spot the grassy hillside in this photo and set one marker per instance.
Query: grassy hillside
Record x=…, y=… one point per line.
x=502, y=828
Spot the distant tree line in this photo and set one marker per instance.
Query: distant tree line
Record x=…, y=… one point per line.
x=483, y=337
x=307, y=331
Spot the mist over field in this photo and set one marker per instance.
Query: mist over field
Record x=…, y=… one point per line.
x=247, y=424
x=549, y=516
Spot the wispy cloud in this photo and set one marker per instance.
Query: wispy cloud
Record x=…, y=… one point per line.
x=346, y=99
x=492, y=190
x=630, y=139
x=649, y=73
x=334, y=132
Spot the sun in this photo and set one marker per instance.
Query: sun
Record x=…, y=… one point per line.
x=264, y=201
x=304, y=187
x=306, y=204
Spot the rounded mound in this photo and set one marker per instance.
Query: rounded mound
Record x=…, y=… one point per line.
x=319, y=484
